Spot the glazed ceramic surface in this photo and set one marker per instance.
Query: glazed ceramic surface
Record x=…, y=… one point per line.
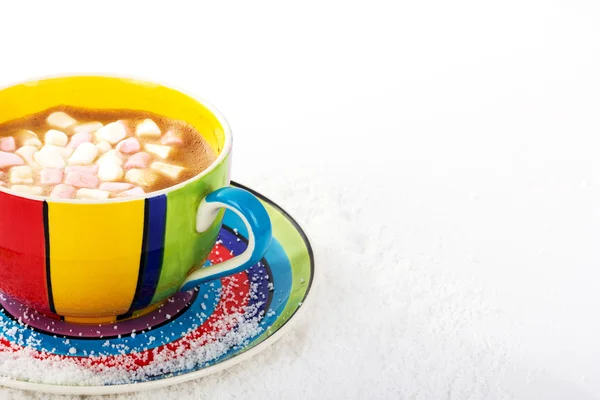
x=269, y=293
x=99, y=261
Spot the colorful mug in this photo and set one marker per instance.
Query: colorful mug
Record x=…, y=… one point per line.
x=99, y=261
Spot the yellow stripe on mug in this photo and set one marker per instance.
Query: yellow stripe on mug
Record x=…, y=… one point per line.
x=94, y=256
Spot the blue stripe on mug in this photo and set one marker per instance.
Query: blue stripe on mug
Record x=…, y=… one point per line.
x=151, y=259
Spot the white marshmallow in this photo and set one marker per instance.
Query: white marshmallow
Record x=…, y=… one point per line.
x=170, y=170
x=26, y=137
x=21, y=174
x=159, y=150
x=112, y=133
x=49, y=156
x=32, y=142
x=111, y=157
x=56, y=138
x=141, y=177
x=171, y=137
x=92, y=194
x=84, y=154
x=147, y=128
x=60, y=120
x=35, y=190
x=89, y=127
x=63, y=151
x=104, y=146
x=109, y=172
x=26, y=153
x=115, y=186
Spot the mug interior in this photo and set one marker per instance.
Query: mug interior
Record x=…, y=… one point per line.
x=106, y=92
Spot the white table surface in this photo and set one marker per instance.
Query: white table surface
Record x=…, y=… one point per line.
x=442, y=156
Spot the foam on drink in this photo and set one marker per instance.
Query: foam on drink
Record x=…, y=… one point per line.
x=76, y=153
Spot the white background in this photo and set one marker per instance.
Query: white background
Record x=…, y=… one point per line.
x=442, y=156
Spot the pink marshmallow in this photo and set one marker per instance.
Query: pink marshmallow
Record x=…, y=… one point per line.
x=115, y=186
x=78, y=138
x=51, y=176
x=63, y=192
x=136, y=191
x=10, y=160
x=138, y=160
x=170, y=138
x=82, y=180
x=83, y=169
x=7, y=143
x=128, y=146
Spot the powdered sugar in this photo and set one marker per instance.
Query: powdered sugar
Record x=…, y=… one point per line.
x=96, y=369
x=24, y=365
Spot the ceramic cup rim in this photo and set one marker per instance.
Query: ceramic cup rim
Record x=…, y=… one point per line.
x=144, y=81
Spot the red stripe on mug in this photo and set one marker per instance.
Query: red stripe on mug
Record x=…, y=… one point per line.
x=23, y=250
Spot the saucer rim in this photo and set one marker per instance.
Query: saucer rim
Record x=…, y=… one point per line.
x=237, y=359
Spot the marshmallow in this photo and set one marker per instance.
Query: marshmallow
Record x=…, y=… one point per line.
x=10, y=160
x=84, y=154
x=7, y=143
x=92, y=194
x=51, y=176
x=60, y=120
x=79, y=180
x=56, y=138
x=25, y=137
x=84, y=169
x=171, y=138
x=128, y=146
x=26, y=152
x=112, y=133
x=50, y=157
x=170, y=170
x=111, y=157
x=79, y=138
x=138, y=160
x=21, y=174
x=115, y=186
x=147, y=128
x=35, y=190
x=32, y=142
x=136, y=191
x=159, y=150
x=104, y=146
x=110, y=172
x=63, y=151
x=88, y=127
x=141, y=177
x=63, y=192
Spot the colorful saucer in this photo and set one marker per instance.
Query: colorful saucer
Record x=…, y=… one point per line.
x=193, y=334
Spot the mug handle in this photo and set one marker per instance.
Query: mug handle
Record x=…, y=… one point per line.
x=257, y=222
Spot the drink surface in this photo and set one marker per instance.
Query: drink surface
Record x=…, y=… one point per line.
x=75, y=153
